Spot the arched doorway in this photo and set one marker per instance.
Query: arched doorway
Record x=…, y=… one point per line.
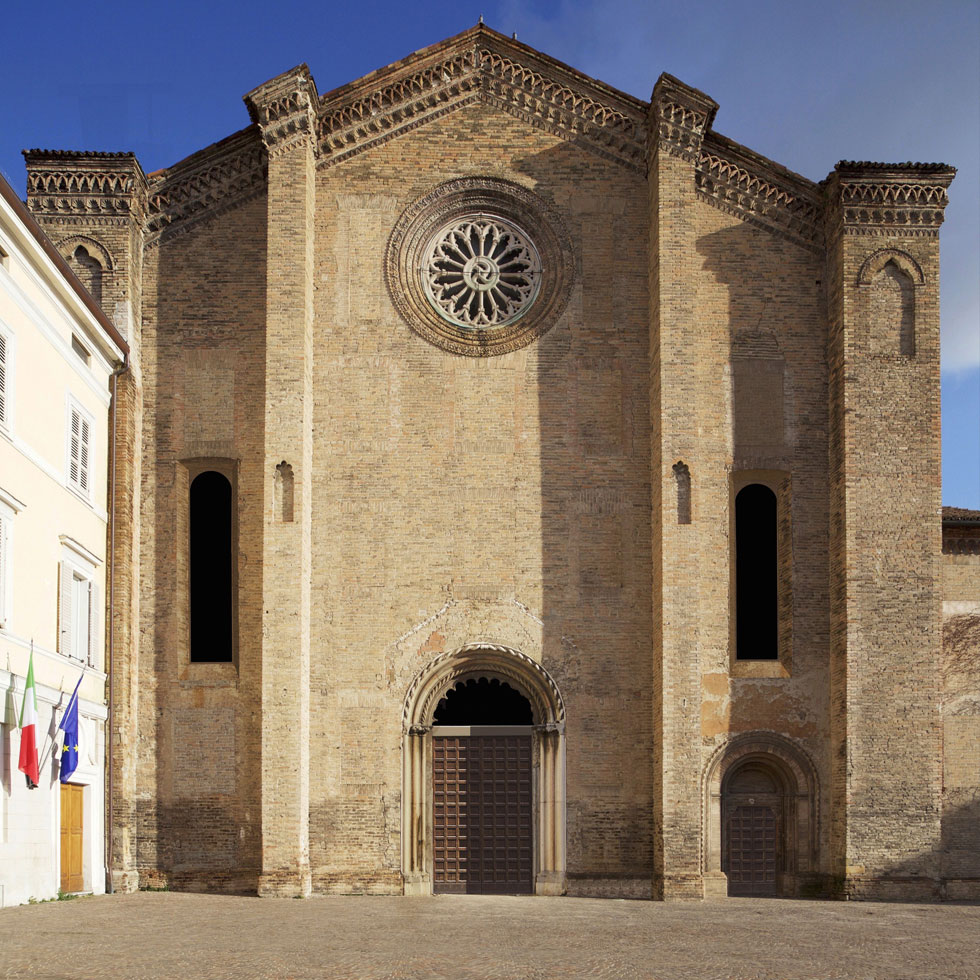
x=760, y=817
x=483, y=778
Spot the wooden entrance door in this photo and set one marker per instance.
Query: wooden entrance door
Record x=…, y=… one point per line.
x=71, y=838
x=752, y=839
x=481, y=814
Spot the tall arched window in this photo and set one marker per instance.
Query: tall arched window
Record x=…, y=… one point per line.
x=89, y=272
x=756, y=574
x=211, y=571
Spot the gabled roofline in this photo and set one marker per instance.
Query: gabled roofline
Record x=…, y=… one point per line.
x=460, y=41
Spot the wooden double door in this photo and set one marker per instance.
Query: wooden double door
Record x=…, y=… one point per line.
x=72, y=835
x=481, y=814
x=751, y=859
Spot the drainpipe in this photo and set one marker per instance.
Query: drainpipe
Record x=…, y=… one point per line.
x=112, y=605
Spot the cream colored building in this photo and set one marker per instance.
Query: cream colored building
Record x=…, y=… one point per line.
x=58, y=353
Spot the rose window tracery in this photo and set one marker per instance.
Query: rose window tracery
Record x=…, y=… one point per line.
x=481, y=271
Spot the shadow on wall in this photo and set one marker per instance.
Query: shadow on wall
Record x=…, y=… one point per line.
x=592, y=375
x=198, y=819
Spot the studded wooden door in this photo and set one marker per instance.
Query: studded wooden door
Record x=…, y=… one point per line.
x=752, y=849
x=481, y=814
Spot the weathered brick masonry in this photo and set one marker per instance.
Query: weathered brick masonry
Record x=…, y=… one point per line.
x=549, y=501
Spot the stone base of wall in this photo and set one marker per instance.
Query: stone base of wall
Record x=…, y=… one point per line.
x=285, y=884
x=679, y=887
x=869, y=889
x=123, y=882
x=362, y=883
x=961, y=889
x=589, y=886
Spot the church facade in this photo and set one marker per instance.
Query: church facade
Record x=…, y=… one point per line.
x=521, y=487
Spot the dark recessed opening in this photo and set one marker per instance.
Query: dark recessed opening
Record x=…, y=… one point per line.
x=483, y=701
x=756, y=619
x=211, y=569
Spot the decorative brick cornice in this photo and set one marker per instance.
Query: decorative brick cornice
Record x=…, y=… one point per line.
x=481, y=65
x=750, y=187
x=206, y=184
x=107, y=188
x=888, y=199
x=680, y=116
x=285, y=108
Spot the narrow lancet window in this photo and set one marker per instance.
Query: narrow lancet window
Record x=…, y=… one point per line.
x=682, y=475
x=756, y=574
x=283, y=496
x=211, y=522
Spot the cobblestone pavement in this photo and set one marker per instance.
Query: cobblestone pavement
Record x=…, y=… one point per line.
x=169, y=935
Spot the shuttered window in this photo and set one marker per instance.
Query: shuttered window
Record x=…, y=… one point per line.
x=79, y=449
x=78, y=610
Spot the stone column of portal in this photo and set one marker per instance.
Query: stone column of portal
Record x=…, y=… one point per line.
x=886, y=539
x=679, y=118
x=102, y=197
x=285, y=110
x=417, y=880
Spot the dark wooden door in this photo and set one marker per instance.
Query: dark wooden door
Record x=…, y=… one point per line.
x=71, y=838
x=481, y=814
x=752, y=849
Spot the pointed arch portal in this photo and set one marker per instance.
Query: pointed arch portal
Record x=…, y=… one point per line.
x=483, y=788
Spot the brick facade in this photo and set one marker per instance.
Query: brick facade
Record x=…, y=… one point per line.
x=716, y=321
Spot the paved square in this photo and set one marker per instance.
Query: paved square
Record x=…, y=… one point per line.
x=168, y=935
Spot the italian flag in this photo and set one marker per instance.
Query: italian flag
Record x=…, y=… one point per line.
x=28, y=730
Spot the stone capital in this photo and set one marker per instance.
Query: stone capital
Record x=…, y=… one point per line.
x=285, y=110
x=680, y=116
x=887, y=199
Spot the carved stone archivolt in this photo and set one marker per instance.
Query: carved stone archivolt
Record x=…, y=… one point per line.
x=873, y=264
x=479, y=266
x=482, y=660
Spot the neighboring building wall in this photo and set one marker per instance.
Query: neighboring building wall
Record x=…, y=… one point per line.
x=961, y=709
x=54, y=532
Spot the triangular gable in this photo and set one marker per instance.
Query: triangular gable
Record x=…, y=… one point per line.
x=482, y=65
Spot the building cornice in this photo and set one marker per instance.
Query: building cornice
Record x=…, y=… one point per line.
x=887, y=199
x=749, y=186
x=206, y=184
x=285, y=110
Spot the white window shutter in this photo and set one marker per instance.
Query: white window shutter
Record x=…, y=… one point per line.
x=65, y=577
x=93, y=624
x=3, y=570
x=83, y=456
x=76, y=447
x=3, y=379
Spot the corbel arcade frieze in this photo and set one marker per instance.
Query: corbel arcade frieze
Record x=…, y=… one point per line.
x=358, y=117
x=902, y=200
x=207, y=185
x=753, y=190
x=108, y=188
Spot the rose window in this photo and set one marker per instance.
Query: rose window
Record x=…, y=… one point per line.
x=481, y=272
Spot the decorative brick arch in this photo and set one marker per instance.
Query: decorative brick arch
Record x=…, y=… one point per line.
x=96, y=250
x=795, y=774
x=490, y=660
x=873, y=264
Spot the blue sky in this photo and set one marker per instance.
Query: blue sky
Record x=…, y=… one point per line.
x=806, y=84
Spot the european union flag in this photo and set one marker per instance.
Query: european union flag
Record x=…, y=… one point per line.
x=69, y=725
